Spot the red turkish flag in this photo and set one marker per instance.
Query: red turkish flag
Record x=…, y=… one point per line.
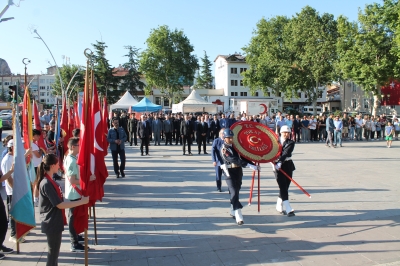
x=76, y=116
x=37, y=126
x=64, y=125
x=100, y=168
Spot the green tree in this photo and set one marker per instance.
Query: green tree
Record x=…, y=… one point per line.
x=107, y=83
x=205, y=77
x=313, y=40
x=292, y=55
x=168, y=63
x=131, y=81
x=269, y=58
x=366, y=51
x=67, y=72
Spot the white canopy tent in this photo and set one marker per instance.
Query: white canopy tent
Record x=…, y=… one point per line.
x=125, y=102
x=194, y=103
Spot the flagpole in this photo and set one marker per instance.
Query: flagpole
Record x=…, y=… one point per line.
x=94, y=223
x=15, y=125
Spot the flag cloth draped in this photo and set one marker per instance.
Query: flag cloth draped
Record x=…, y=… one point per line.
x=64, y=125
x=27, y=120
x=76, y=116
x=21, y=206
x=37, y=126
x=84, y=158
x=99, y=165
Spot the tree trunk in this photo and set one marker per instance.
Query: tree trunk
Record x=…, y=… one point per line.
x=315, y=98
x=376, y=104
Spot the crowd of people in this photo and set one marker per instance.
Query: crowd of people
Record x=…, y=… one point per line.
x=204, y=128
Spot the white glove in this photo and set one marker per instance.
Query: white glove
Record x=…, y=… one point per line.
x=254, y=167
x=278, y=166
x=223, y=167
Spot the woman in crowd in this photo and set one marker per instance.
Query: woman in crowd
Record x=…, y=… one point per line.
x=373, y=128
x=352, y=125
x=52, y=207
x=378, y=129
x=396, y=126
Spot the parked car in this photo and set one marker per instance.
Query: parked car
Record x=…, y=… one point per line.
x=7, y=121
x=3, y=112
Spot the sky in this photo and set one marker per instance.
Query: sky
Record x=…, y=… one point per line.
x=70, y=26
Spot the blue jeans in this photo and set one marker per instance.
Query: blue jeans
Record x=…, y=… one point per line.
x=337, y=137
x=351, y=133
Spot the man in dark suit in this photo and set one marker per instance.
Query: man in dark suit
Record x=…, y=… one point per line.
x=168, y=128
x=186, y=130
x=177, y=129
x=132, y=129
x=144, y=133
x=214, y=128
x=201, y=134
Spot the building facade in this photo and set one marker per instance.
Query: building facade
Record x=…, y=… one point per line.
x=40, y=86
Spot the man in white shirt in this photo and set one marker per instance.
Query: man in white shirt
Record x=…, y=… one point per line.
x=359, y=123
x=313, y=129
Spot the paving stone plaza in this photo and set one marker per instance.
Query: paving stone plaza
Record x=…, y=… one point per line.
x=167, y=212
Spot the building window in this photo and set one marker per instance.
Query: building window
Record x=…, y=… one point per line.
x=354, y=103
x=354, y=88
x=241, y=83
x=47, y=100
x=234, y=82
x=166, y=101
x=158, y=100
x=299, y=94
x=392, y=106
x=243, y=93
x=0, y=83
x=42, y=94
x=268, y=94
x=256, y=94
x=234, y=93
x=42, y=100
x=42, y=87
x=366, y=103
x=6, y=83
x=42, y=81
x=305, y=95
x=243, y=69
x=320, y=94
x=233, y=70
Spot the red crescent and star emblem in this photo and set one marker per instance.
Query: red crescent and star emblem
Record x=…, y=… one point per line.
x=265, y=108
x=256, y=142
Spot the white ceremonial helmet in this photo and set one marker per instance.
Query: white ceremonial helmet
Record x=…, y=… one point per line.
x=285, y=129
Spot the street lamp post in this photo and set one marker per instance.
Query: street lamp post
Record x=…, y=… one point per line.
x=58, y=70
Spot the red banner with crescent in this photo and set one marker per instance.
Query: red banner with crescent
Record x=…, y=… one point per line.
x=256, y=142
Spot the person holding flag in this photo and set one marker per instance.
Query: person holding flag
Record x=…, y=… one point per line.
x=52, y=207
x=3, y=217
x=72, y=189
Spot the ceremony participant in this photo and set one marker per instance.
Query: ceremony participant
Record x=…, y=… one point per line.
x=215, y=127
x=201, y=134
x=116, y=137
x=132, y=129
x=285, y=163
x=37, y=154
x=330, y=128
x=52, y=207
x=6, y=165
x=168, y=129
x=177, y=129
x=156, y=128
x=186, y=129
x=231, y=164
x=338, y=131
x=223, y=122
x=3, y=217
x=72, y=190
x=389, y=133
x=144, y=133
x=216, y=158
